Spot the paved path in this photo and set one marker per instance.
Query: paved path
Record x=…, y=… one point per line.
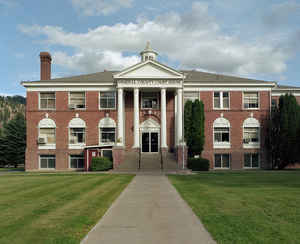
x=149, y=211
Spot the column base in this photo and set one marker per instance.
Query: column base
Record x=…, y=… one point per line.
x=181, y=154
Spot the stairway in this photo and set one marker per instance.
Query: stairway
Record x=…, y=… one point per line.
x=150, y=162
x=130, y=162
x=169, y=162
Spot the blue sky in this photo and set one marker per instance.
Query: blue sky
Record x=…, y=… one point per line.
x=256, y=39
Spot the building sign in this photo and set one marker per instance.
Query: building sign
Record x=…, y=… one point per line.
x=149, y=83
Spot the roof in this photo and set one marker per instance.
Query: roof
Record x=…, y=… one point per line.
x=194, y=76
x=191, y=76
x=283, y=87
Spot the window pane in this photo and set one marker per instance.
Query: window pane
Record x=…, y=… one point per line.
x=44, y=163
x=218, y=137
x=217, y=103
x=51, y=103
x=225, y=160
x=255, y=160
x=217, y=160
x=81, y=163
x=247, y=160
x=107, y=153
x=107, y=100
x=73, y=163
x=43, y=103
x=51, y=163
x=225, y=102
x=225, y=137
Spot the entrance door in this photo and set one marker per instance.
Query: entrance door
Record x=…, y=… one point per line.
x=149, y=141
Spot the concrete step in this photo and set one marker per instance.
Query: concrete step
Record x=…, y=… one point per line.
x=130, y=162
x=151, y=161
x=169, y=161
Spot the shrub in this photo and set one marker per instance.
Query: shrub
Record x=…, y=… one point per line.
x=101, y=164
x=198, y=164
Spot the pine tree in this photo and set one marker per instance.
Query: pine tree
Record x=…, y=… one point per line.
x=197, y=133
x=188, y=121
x=13, y=141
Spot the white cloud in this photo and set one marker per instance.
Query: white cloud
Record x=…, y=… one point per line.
x=193, y=39
x=100, y=7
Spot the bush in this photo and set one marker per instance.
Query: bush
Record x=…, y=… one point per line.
x=198, y=164
x=101, y=164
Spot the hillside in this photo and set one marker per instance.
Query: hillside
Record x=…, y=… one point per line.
x=9, y=106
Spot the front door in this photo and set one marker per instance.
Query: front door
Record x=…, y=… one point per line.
x=149, y=141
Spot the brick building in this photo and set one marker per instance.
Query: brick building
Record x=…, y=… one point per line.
x=136, y=115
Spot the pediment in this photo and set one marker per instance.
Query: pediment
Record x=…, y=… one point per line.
x=149, y=70
x=150, y=123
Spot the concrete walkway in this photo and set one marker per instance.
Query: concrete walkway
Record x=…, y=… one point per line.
x=148, y=211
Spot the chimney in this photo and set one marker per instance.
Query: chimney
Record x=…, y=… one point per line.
x=45, y=65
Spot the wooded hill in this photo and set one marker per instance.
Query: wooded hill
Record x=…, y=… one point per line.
x=10, y=106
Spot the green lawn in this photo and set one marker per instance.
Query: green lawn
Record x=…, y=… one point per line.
x=245, y=207
x=54, y=208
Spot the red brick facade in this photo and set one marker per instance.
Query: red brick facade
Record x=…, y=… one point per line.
x=166, y=81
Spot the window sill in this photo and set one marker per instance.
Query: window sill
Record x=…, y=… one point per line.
x=47, y=146
x=103, y=109
x=222, y=145
x=76, y=146
x=251, y=145
x=107, y=144
x=45, y=109
x=251, y=108
x=221, y=108
x=251, y=167
x=218, y=168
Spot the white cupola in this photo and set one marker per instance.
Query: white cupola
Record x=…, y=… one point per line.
x=148, y=53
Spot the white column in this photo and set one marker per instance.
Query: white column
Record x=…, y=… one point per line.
x=120, y=116
x=179, y=115
x=136, y=117
x=163, y=113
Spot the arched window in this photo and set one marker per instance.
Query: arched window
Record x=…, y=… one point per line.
x=221, y=132
x=107, y=131
x=251, y=131
x=47, y=137
x=76, y=133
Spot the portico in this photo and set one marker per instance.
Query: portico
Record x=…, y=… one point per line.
x=150, y=81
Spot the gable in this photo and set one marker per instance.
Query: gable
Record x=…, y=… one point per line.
x=149, y=70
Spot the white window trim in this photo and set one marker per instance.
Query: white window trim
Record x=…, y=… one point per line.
x=252, y=145
x=69, y=100
x=107, y=143
x=116, y=100
x=226, y=168
x=221, y=100
x=40, y=168
x=76, y=145
x=158, y=102
x=258, y=97
x=251, y=161
x=225, y=145
x=79, y=156
x=52, y=109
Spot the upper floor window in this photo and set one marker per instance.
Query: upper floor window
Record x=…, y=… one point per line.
x=221, y=100
x=107, y=131
x=251, y=132
x=150, y=100
x=77, y=100
x=47, y=100
x=221, y=133
x=47, y=137
x=107, y=100
x=251, y=100
x=190, y=96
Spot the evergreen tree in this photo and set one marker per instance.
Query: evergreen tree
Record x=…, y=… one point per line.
x=197, y=132
x=188, y=122
x=13, y=141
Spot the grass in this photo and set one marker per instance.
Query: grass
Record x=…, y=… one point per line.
x=245, y=207
x=54, y=208
x=11, y=169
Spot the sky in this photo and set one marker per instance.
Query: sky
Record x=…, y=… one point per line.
x=257, y=39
